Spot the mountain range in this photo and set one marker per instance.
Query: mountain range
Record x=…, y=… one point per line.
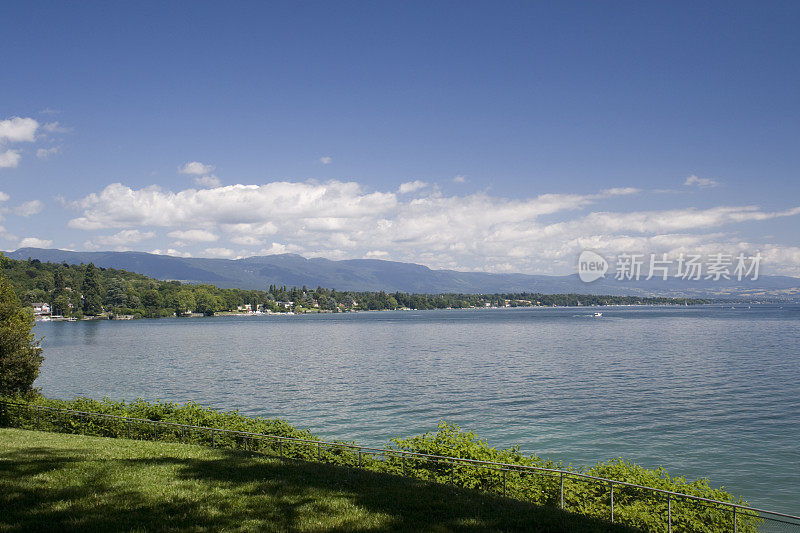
x=375, y=275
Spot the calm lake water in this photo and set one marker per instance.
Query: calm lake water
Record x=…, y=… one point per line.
x=704, y=391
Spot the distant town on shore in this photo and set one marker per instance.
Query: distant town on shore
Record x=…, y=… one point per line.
x=59, y=291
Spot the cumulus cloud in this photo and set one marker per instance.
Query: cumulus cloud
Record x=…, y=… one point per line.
x=196, y=168
x=459, y=179
x=208, y=182
x=700, y=182
x=34, y=242
x=411, y=186
x=118, y=205
x=9, y=158
x=326, y=160
x=27, y=209
x=17, y=129
x=478, y=231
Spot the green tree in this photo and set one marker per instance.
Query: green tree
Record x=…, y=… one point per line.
x=183, y=301
x=152, y=302
x=60, y=305
x=92, y=302
x=20, y=354
x=205, y=302
x=116, y=295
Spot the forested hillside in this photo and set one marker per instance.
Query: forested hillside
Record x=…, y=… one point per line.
x=85, y=290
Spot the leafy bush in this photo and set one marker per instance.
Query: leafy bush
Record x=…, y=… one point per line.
x=632, y=506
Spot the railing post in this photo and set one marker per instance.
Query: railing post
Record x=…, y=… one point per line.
x=155, y=430
x=213, y=441
x=611, y=486
x=669, y=513
x=319, y=452
x=562, y=490
x=38, y=413
x=504, y=482
x=735, y=525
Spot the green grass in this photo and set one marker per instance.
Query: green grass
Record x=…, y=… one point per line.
x=52, y=482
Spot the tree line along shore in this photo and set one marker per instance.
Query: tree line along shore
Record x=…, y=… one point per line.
x=86, y=291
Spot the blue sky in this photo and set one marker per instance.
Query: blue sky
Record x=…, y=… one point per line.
x=523, y=132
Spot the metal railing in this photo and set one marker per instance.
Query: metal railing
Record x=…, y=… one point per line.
x=650, y=508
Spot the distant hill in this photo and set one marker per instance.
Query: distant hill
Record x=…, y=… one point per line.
x=376, y=275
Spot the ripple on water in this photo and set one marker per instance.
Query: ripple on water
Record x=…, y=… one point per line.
x=703, y=391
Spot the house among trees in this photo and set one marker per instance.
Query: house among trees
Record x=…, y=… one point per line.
x=41, y=309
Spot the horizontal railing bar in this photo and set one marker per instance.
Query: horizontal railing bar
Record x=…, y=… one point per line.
x=489, y=465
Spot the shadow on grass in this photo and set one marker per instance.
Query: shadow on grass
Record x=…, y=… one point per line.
x=46, y=489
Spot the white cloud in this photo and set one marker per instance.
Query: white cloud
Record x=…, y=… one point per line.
x=123, y=238
x=4, y=197
x=119, y=206
x=411, y=186
x=17, y=129
x=196, y=168
x=208, y=182
x=459, y=179
x=335, y=219
x=44, y=153
x=9, y=159
x=621, y=191
x=191, y=236
x=27, y=209
x=700, y=182
x=170, y=251
x=326, y=160
x=278, y=248
x=376, y=254
x=34, y=242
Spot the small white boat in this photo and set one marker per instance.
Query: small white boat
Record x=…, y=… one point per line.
x=598, y=314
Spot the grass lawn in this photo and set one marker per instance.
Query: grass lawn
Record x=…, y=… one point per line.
x=56, y=482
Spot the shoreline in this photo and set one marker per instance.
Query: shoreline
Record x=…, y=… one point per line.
x=732, y=305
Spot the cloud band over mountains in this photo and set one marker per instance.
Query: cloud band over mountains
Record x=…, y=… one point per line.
x=337, y=219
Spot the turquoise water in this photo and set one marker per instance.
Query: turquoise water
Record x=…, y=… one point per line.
x=704, y=391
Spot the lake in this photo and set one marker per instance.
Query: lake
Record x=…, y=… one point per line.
x=704, y=391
